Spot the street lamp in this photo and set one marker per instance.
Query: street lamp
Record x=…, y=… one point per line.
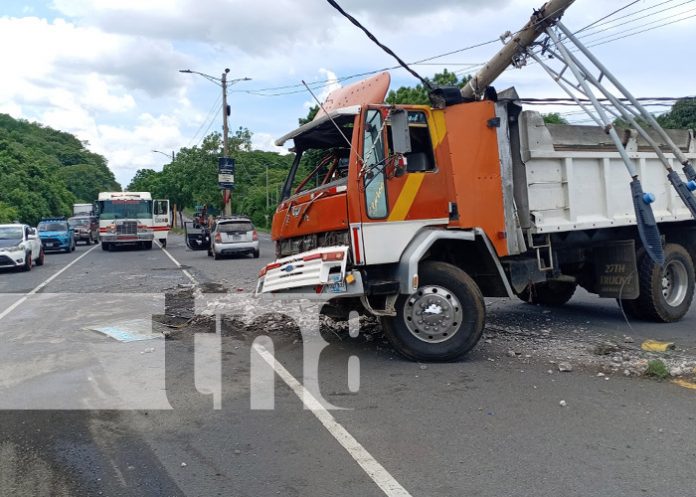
x=164, y=153
x=223, y=83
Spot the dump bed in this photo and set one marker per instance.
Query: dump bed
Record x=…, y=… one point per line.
x=570, y=177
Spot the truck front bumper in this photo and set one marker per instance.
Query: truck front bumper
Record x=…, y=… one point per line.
x=116, y=238
x=318, y=274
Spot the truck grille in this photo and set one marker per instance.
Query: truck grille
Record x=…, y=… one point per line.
x=300, y=244
x=127, y=228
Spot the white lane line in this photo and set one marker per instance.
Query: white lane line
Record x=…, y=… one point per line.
x=188, y=275
x=46, y=282
x=385, y=481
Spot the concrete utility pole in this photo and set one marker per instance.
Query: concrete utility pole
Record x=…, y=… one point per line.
x=227, y=193
x=223, y=83
x=547, y=15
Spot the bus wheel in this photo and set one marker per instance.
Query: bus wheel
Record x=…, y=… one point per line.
x=440, y=321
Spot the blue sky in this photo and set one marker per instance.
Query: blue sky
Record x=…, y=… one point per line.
x=107, y=70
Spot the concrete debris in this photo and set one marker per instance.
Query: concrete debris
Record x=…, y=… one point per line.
x=511, y=353
x=563, y=403
x=565, y=367
x=600, y=374
x=607, y=348
x=628, y=339
x=148, y=351
x=183, y=464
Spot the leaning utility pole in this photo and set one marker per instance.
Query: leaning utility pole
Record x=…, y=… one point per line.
x=547, y=16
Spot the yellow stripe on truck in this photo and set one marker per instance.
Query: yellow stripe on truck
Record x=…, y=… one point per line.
x=406, y=197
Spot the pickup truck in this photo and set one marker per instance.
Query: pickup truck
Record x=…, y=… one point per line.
x=20, y=247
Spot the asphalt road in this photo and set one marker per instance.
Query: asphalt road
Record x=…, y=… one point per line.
x=82, y=413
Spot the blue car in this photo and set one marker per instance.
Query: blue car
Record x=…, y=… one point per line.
x=56, y=234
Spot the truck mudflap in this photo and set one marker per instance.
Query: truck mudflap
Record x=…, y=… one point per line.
x=316, y=273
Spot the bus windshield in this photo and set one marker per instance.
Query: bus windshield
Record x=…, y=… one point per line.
x=125, y=209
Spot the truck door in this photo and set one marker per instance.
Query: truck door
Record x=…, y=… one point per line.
x=161, y=219
x=400, y=193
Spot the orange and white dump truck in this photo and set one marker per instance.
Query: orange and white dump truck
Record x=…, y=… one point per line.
x=415, y=213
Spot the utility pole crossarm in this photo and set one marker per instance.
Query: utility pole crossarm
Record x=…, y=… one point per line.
x=547, y=16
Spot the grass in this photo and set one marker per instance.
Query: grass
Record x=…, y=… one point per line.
x=657, y=369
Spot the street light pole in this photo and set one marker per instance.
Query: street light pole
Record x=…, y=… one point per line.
x=164, y=153
x=224, y=83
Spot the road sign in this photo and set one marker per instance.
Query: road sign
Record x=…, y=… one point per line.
x=226, y=173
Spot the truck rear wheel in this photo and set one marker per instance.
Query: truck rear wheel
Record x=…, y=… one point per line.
x=665, y=292
x=442, y=320
x=550, y=293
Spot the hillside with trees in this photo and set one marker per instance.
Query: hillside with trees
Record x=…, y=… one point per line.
x=44, y=171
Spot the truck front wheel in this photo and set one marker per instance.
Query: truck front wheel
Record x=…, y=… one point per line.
x=442, y=320
x=665, y=292
x=550, y=293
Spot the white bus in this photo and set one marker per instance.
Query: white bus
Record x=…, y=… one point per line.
x=132, y=218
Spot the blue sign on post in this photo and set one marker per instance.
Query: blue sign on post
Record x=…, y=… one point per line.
x=226, y=173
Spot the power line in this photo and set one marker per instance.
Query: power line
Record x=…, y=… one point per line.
x=293, y=89
x=210, y=115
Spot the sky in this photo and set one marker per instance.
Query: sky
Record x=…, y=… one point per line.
x=108, y=70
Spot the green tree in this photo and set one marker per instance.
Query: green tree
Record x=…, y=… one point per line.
x=554, y=118
x=311, y=113
x=418, y=95
x=681, y=116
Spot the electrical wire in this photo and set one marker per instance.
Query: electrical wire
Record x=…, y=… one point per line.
x=210, y=114
x=293, y=89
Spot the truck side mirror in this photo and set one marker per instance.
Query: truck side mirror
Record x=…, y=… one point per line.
x=401, y=137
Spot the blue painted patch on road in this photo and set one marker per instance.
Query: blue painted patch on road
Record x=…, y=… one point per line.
x=128, y=331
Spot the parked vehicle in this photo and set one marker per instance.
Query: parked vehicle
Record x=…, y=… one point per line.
x=197, y=231
x=132, y=218
x=56, y=234
x=86, y=228
x=232, y=236
x=431, y=208
x=20, y=247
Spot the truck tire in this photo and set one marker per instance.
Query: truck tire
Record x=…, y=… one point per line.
x=105, y=246
x=163, y=242
x=454, y=321
x=147, y=245
x=549, y=293
x=666, y=292
x=257, y=252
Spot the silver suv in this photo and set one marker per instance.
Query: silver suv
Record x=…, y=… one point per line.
x=233, y=235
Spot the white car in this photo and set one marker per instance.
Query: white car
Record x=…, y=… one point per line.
x=20, y=247
x=233, y=235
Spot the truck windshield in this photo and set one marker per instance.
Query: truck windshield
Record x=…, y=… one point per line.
x=125, y=209
x=11, y=233
x=53, y=226
x=78, y=221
